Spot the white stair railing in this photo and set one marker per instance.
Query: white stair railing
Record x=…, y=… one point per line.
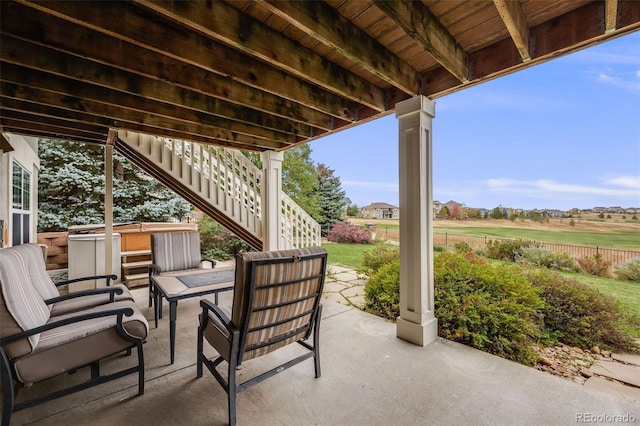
x=227, y=180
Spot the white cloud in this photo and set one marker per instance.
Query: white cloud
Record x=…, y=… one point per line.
x=626, y=181
x=547, y=187
x=620, y=83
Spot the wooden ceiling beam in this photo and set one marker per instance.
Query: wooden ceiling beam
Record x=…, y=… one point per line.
x=73, y=89
x=190, y=48
x=422, y=26
x=328, y=26
x=224, y=23
x=123, y=117
x=38, y=109
x=32, y=56
x=154, y=65
x=514, y=19
x=50, y=128
x=145, y=27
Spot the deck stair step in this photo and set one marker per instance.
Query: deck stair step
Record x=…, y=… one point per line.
x=135, y=267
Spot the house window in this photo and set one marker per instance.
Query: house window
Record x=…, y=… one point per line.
x=21, y=214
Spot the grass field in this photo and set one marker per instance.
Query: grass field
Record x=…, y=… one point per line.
x=613, y=233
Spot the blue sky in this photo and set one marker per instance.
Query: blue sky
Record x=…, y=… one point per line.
x=561, y=134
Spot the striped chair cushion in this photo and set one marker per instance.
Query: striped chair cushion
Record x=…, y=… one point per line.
x=265, y=295
x=176, y=251
x=32, y=254
x=21, y=299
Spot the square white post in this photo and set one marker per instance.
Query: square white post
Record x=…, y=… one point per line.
x=272, y=232
x=416, y=323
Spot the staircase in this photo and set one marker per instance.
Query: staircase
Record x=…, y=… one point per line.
x=221, y=182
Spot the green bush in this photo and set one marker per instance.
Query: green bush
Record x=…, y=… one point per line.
x=578, y=315
x=629, y=271
x=595, y=265
x=551, y=260
x=218, y=243
x=492, y=308
x=462, y=247
x=382, y=293
x=381, y=255
x=508, y=249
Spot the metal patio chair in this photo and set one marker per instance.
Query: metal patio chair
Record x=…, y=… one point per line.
x=276, y=302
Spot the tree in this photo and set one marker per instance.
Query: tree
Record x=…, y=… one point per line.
x=444, y=212
x=300, y=181
x=353, y=210
x=497, y=213
x=331, y=197
x=71, y=189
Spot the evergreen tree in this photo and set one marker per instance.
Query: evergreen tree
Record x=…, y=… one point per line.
x=332, y=197
x=71, y=189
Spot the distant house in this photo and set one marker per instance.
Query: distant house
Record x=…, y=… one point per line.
x=380, y=211
x=437, y=206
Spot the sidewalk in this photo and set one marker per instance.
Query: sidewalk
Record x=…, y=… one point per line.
x=342, y=285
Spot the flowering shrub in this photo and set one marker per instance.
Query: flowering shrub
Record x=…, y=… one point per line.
x=346, y=233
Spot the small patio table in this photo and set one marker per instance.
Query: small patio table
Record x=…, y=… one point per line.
x=186, y=284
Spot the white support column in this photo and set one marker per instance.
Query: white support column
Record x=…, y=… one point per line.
x=108, y=209
x=416, y=323
x=272, y=232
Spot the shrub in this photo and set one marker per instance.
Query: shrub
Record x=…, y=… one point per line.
x=629, y=271
x=382, y=293
x=507, y=249
x=462, y=247
x=578, y=315
x=346, y=233
x=218, y=243
x=550, y=260
x=595, y=265
x=379, y=256
x=492, y=308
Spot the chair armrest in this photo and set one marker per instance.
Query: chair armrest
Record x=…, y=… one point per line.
x=95, y=277
x=213, y=262
x=209, y=306
x=111, y=291
x=120, y=312
x=154, y=269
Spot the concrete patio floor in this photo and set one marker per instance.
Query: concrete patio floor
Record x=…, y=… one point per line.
x=369, y=377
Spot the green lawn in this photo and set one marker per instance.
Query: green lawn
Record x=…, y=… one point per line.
x=347, y=255
x=603, y=239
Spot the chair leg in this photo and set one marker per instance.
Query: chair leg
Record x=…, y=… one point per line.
x=316, y=341
x=232, y=394
x=140, y=369
x=8, y=395
x=199, y=351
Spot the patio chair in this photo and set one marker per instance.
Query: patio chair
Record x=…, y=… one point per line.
x=36, y=345
x=73, y=301
x=276, y=302
x=177, y=273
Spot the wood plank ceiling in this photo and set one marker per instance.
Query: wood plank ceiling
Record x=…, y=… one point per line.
x=264, y=74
